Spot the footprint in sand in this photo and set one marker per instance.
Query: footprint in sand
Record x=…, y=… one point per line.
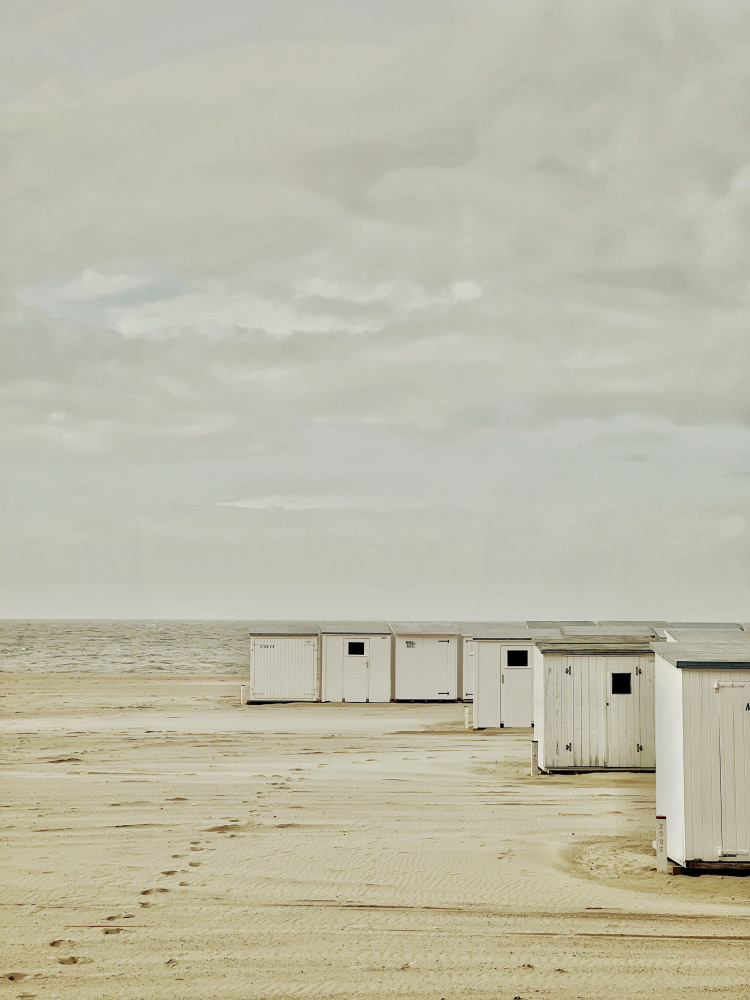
x=147, y=892
x=196, y=848
x=181, y=883
x=194, y=864
x=112, y=930
x=14, y=977
x=178, y=855
x=59, y=942
x=171, y=872
x=74, y=960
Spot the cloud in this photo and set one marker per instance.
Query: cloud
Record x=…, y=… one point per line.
x=213, y=309
x=94, y=285
x=454, y=254
x=330, y=502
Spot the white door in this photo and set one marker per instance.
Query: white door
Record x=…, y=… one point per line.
x=469, y=666
x=438, y=680
x=563, y=669
x=356, y=669
x=284, y=668
x=517, y=688
x=409, y=685
x=623, y=680
x=734, y=768
x=487, y=671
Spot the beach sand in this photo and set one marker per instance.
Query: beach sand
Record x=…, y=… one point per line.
x=162, y=840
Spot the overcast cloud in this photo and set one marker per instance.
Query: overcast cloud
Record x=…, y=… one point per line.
x=411, y=309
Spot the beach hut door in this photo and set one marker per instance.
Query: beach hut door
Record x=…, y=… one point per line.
x=623, y=676
x=517, y=683
x=734, y=769
x=563, y=701
x=356, y=669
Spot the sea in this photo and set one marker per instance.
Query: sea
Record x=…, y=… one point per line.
x=124, y=646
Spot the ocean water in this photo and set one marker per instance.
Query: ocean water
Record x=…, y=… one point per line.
x=125, y=646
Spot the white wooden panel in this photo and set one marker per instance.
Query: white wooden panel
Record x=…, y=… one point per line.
x=622, y=742
x=283, y=668
x=716, y=749
x=647, y=720
x=702, y=766
x=356, y=669
x=589, y=726
x=488, y=670
x=734, y=731
x=517, y=689
x=409, y=668
x=670, y=739
x=467, y=669
x=540, y=705
x=571, y=666
x=439, y=668
x=380, y=668
x=332, y=660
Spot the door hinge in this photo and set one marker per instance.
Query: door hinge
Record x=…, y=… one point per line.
x=568, y=746
x=638, y=670
x=568, y=670
x=639, y=747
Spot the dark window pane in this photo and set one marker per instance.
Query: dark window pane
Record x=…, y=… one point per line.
x=356, y=649
x=620, y=683
x=518, y=658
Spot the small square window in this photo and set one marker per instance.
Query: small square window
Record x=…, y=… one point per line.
x=518, y=658
x=620, y=683
x=356, y=648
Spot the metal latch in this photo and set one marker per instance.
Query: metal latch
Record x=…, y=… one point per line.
x=568, y=746
x=639, y=747
x=568, y=670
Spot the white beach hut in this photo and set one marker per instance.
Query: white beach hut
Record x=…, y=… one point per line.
x=425, y=661
x=470, y=631
x=498, y=656
x=356, y=661
x=284, y=661
x=594, y=699
x=703, y=751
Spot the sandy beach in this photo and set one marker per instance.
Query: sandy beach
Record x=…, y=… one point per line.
x=162, y=840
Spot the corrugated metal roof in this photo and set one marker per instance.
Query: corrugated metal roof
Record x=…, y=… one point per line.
x=495, y=630
x=424, y=628
x=722, y=626
x=358, y=628
x=557, y=624
x=613, y=631
x=714, y=654
x=708, y=635
x=636, y=624
x=597, y=645
x=282, y=628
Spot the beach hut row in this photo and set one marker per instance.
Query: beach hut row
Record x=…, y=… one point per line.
x=354, y=661
x=634, y=696
x=491, y=663
x=402, y=661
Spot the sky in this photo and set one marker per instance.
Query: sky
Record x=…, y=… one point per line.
x=415, y=309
